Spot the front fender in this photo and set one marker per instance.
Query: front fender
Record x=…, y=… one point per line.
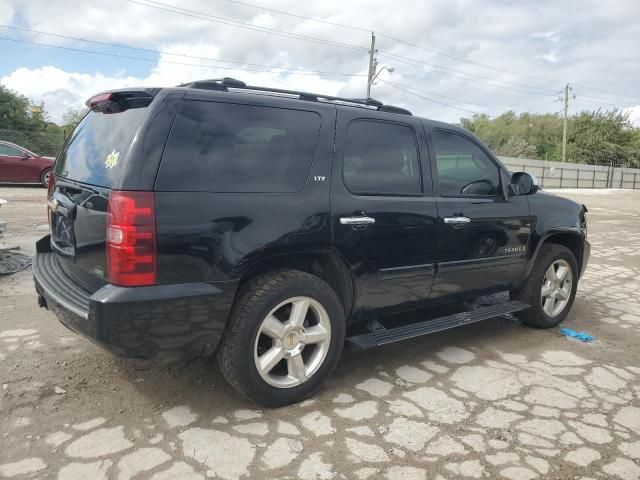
x=558, y=220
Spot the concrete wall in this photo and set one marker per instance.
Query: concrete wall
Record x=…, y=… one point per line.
x=575, y=175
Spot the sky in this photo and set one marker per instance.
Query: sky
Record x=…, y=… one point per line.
x=444, y=59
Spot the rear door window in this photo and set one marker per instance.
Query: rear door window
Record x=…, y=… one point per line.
x=381, y=159
x=225, y=147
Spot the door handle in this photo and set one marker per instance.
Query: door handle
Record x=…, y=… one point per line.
x=360, y=220
x=457, y=220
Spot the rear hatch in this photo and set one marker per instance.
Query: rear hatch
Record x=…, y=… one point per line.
x=96, y=163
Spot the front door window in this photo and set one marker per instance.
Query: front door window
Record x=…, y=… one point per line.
x=463, y=168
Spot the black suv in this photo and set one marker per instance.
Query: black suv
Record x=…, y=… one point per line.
x=269, y=226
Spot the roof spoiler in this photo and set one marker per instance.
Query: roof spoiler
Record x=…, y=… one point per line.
x=120, y=100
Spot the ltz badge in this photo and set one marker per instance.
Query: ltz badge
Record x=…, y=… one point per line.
x=112, y=159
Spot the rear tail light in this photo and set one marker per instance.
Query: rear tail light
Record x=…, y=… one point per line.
x=131, y=239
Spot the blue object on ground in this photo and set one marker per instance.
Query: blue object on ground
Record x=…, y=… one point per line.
x=582, y=336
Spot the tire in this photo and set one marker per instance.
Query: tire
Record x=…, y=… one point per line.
x=44, y=176
x=249, y=336
x=537, y=284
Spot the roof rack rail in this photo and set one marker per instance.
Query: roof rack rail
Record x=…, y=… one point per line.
x=227, y=83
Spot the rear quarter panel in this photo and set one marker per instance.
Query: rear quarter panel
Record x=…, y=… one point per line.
x=217, y=237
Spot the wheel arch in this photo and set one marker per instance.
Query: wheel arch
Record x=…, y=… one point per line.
x=327, y=265
x=572, y=239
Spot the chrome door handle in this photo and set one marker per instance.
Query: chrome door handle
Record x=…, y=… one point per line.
x=455, y=220
x=357, y=220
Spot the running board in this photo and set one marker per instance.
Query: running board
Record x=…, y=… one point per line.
x=438, y=324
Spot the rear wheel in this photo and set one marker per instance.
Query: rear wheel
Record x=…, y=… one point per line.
x=44, y=177
x=550, y=288
x=285, y=335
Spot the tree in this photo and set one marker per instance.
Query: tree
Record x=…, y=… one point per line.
x=27, y=124
x=72, y=118
x=519, y=148
x=594, y=137
x=605, y=138
x=13, y=110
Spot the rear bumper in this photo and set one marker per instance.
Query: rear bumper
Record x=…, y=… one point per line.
x=160, y=322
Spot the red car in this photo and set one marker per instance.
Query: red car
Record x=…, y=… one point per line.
x=19, y=165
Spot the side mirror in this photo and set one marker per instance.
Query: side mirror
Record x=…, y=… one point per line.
x=523, y=183
x=24, y=155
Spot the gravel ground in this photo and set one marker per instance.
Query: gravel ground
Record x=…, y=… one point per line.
x=492, y=400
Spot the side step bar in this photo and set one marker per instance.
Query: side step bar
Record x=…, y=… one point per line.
x=438, y=324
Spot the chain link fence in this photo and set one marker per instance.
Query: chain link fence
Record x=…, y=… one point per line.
x=575, y=175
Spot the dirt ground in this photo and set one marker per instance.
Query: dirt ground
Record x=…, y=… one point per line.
x=491, y=400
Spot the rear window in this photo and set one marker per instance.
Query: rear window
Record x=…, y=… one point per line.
x=224, y=147
x=98, y=146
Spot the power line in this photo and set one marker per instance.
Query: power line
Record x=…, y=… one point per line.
x=266, y=68
x=440, y=95
x=200, y=15
x=595, y=101
x=301, y=17
x=395, y=39
x=528, y=103
x=118, y=45
x=501, y=108
x=412, y=61
x=407, y=89
x=529, y=92
x=390, y=37
x=606, y=91
x=217, y=19
x=227, y=21
x=93, y=52
x=427, y=98
x=471, y=62
x=420, y=47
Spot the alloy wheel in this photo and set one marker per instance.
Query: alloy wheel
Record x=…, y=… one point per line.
x=556, y=288
x=292, y=342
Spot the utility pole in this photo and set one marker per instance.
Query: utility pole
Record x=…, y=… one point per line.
x=372, y=64
x=567, y=88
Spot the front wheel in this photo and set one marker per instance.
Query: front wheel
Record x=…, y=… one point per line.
x=284, y=337
x=550, y=288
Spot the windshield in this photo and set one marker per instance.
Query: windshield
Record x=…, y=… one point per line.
x=97, y=148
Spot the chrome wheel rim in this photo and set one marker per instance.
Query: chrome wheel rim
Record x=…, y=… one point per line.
x=46, y=178
x=292, y=342
x=556, y=288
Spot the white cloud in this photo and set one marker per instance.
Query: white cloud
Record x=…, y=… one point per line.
x=61, y=90
x=551, y=57
x=6, y=11
x=586, y=42
x=634, y=115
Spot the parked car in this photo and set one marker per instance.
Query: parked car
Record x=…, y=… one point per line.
x=19, y=165
x=267, y=226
